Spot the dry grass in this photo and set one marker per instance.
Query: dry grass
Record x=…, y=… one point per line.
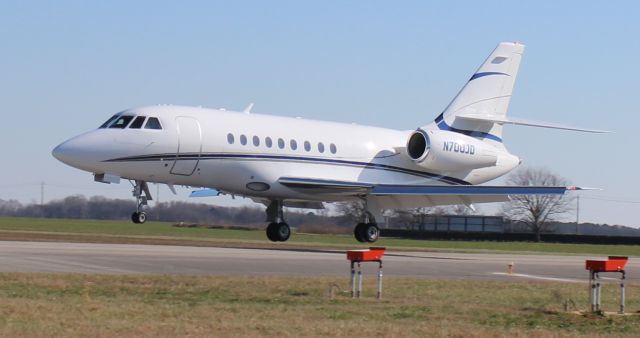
x=102, y=305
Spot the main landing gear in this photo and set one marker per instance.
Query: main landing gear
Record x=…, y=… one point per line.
x=367, y=231
x=277, y=230
x=142, y=195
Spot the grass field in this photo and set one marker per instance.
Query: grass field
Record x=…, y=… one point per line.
x=165, y=233
x=102, y=305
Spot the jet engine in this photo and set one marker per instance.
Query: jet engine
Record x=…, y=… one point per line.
x=443, y=150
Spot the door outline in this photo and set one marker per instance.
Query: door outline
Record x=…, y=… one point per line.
x=186, y=165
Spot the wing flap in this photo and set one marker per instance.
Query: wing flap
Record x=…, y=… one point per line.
x=326, y=186
x=359, y=188
x=466, y=190
x=418, y=201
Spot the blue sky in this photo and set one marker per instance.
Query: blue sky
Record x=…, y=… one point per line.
x=67, y=66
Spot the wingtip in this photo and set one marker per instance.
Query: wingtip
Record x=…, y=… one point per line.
x=582, y=188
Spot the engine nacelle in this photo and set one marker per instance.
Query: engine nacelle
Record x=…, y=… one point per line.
x=449, y=151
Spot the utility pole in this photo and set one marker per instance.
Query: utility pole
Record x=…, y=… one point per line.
x=41, y=193
x=578, y=215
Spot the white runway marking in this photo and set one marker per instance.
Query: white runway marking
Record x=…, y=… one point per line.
x=554, y=279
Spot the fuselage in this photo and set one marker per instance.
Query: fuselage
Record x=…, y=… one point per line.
x=245, y=154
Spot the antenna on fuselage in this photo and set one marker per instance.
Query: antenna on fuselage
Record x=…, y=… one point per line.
x=247, y=110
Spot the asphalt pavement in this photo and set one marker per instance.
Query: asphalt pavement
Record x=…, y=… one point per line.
x=184, y=260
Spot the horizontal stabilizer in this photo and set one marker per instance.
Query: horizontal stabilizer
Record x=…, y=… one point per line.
x=522, y=122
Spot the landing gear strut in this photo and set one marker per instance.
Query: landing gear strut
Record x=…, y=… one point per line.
x=142, y=195
x=277, y=230
x=367, y=231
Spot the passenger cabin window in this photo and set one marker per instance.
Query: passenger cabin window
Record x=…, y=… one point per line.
x=256, y=141
x=111, y=119
x=153, y=123
x=307, y=146
x=280, y=143
x=268, y=142
x=332, y=148
x=137, y=123
x=230, y=138
x=121, y=122
x=293, y=144
x=321, y=147
x=243, y=140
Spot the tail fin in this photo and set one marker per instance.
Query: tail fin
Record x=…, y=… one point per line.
x=487, y=93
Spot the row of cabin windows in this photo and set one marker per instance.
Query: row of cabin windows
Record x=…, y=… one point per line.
x=293, y=144
x=122, y=121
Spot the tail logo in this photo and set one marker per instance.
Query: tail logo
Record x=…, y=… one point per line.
x=483, y=74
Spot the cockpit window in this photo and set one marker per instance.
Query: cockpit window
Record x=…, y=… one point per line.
x=153, y=123
x=121, y=122
x=137, y=123
x=111, y=119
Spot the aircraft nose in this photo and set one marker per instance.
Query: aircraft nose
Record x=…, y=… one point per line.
x=74, y=152
x=63, y=153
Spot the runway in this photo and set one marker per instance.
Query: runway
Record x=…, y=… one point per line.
x=182, y=260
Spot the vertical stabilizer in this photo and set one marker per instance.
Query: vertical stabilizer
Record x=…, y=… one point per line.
x=487, y=93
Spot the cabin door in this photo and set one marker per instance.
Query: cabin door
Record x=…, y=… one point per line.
x=189, y=146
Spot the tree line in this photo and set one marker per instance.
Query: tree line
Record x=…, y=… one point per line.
x=525, y=213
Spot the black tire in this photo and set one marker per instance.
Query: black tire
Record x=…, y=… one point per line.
x=358, y=233
x=283, y=232
x=370, y=232
x=142, y=217
x=134, y=218
x=271, y=232
x=278, y=232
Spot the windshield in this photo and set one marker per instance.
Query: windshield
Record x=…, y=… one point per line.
x=121, y=122
x=137, y=123
x=104, y=125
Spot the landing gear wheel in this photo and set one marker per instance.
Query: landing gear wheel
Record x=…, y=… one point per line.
x=271, y=232
x=366, y=232
x=358, y=232
x=371, y=233
x=139, y=217
x=278, y=232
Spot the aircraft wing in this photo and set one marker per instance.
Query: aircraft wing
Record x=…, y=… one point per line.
x=411, y=196
x=321, y=186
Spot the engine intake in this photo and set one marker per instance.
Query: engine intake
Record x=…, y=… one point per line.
x=449, y=151
x=418, y=145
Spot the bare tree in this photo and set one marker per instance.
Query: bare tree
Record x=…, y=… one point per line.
x=460, y=210
x=352, y=210
x=536, y=212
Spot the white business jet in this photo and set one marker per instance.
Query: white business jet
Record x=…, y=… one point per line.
x=300, y=163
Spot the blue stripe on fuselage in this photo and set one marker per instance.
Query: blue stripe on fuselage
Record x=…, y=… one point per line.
x=367, y=165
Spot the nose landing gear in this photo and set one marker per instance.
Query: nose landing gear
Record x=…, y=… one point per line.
x=139, y=217
x=142, y=195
